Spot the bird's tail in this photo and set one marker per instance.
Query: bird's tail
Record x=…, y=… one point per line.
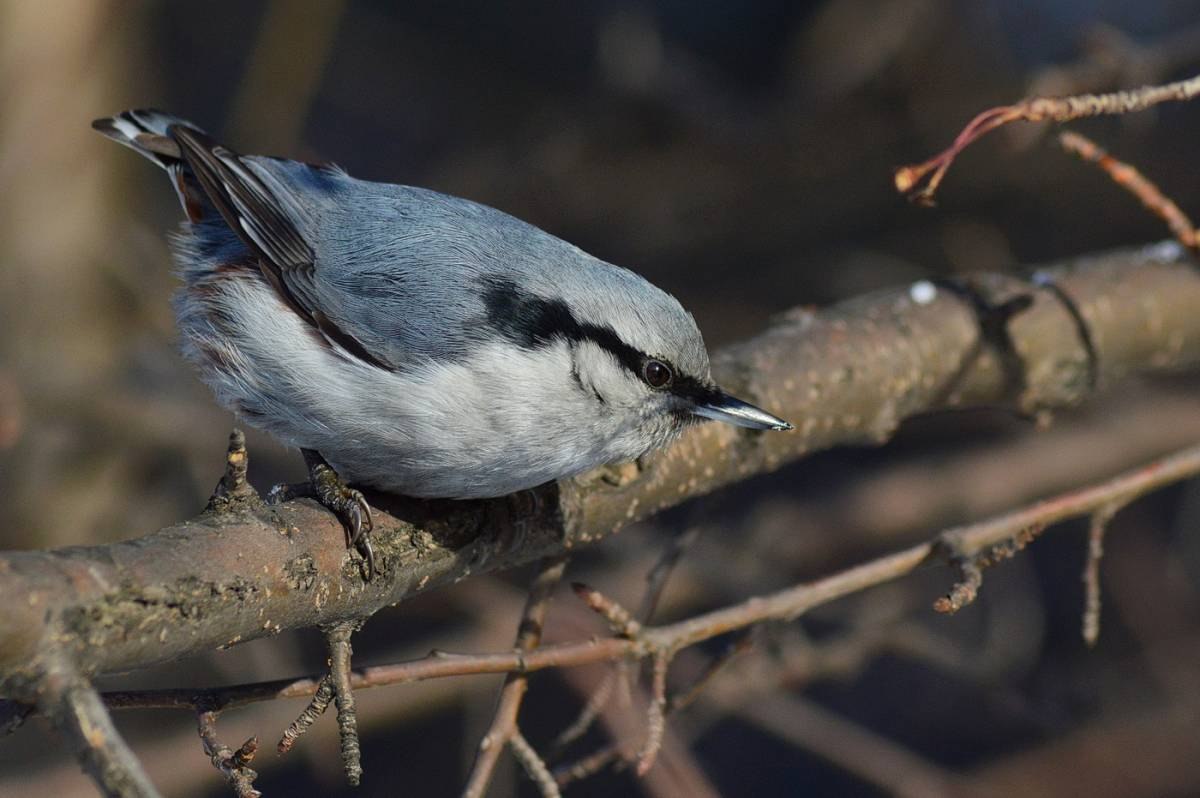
x=149, y=133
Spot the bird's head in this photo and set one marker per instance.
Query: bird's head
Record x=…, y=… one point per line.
x=634, y=353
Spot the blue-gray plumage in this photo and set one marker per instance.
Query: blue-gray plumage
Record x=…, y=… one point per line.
x=421, y=343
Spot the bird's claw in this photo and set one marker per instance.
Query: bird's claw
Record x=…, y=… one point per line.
x=360, y=512
x=361, y=525
x=351, y=508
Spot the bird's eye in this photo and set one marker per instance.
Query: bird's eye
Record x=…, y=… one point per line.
x=657, y=374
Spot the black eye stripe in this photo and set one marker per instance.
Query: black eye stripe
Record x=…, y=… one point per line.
x=604, y=337
x=533, y=322
x=695, y=391
x=528, y=321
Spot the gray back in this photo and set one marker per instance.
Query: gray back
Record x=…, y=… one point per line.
x=414, y=274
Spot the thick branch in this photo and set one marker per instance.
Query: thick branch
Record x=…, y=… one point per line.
x=970, y=540
x=848, y=374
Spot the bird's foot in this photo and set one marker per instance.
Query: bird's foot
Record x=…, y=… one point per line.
x=345, y=502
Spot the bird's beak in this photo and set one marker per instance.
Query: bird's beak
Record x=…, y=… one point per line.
x=720, y=406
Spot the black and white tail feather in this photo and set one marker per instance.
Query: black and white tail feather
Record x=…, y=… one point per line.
x=209, y=177
x=194, y=160
x=148, y=133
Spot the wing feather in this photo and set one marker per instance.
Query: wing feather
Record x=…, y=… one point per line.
x=258, y=217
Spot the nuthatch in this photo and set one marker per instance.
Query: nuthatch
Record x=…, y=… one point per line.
x=415, y=342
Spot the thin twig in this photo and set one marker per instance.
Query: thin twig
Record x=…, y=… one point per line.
x=970, y=566
x=1091, y=572
x=1111, y=58
x=77, y=711
x=613, y=752
x=533, y=764
x=504, y=723
x=619, y=619
x=340, y=654
x=596, y=702
x=656, y=719
x=233, y=765
x=684, y=698
x=1137, y=184
x=965, y=589
x=588, y=766
x=919, y=182
x=316, y=707
x=656, y=582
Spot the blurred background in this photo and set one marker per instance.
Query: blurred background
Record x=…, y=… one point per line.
x=739, y=155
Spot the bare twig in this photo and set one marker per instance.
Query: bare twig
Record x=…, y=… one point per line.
x=533, y=764
x=233, y=765
x=1133, y=181
x=619, y=619
x=965, y=589
x=504, y=724
x=1111, y=58
x=919, y=182
x=656, y=580
x=595, y=704
x=656, y=719
x=614, y=752
x=316, y=707
x=588, y=766
x=340, y=653
x=684, y=698
x=970, y=566
x=78, y=712
x=1091, y=571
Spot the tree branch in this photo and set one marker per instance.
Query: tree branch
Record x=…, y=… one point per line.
x=504, y=730
x=979, y=539
x=77, y=711
x=848, y=374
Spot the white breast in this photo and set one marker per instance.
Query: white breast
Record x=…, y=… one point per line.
x=504, y=420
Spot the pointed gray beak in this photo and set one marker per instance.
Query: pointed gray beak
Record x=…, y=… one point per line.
x=723, y=407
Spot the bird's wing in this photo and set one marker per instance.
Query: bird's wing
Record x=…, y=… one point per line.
x=269, y=220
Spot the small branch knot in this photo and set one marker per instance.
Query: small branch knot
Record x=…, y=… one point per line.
x=965, y=589
x=233, y=765
x=234, y=489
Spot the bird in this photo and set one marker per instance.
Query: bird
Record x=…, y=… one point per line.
x=414, y=342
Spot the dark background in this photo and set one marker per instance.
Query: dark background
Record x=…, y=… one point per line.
x=739, y=155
